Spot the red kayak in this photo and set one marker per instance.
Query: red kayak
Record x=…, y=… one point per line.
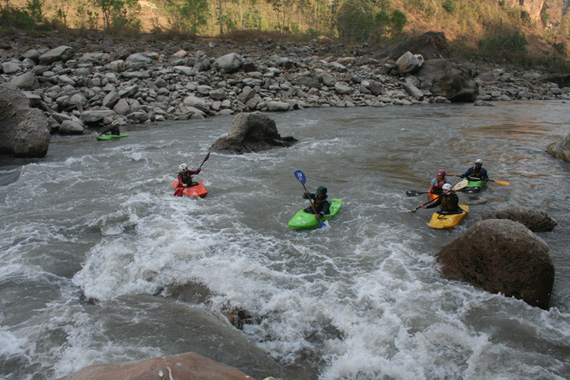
x=195, y=191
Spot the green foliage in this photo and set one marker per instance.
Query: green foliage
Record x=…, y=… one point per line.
x=27, y=19
x=449, y=6
x=187, y=16
x=359, y=20
x=34, y=9
x=399, y=20
x=544, y=14
x=515, y=42
x=86, y=18
x=119, y=14
x=525, y=17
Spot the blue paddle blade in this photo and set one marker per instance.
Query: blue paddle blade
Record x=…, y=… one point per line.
x=300, y=176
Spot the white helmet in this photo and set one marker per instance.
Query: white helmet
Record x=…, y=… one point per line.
x=479, y=161
x=182, y=167
x=447, y=186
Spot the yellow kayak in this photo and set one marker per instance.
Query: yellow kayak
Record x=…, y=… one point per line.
x=441, y=221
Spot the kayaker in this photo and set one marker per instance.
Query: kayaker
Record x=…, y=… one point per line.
x=449, y=201
x=113, y=129
x=320, y=202
x=437, y=183
x=185, y=176
x=476, y=172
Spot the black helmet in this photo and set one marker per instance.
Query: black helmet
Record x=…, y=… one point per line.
x=322, y=190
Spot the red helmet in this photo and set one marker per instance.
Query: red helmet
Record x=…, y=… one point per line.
x=441, y=172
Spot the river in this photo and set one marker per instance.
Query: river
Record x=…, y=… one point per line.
x=101, y=263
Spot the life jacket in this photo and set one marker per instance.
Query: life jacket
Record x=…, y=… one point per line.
x=477, y=173
x=448, y=203
x=437, y=189
x=186, y=177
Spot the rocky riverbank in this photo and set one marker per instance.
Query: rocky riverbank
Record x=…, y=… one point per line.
x=90, y=82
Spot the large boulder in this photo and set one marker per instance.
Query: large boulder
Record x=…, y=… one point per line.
x=501, y=256
x=188, y=366
x=24, y=130
x=431, y=45
x=534, y=220
x=229, y=63
x=252, y=132
x=450, y=79
x=560, y=149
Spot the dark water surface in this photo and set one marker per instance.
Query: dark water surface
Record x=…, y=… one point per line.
x=101, y=263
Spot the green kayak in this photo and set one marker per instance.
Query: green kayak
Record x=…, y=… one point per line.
x=109, y=137
x=474, y=186
x=306, y=221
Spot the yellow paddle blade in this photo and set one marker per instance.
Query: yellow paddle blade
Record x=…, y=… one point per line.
x=460, y=185
x=500, y=182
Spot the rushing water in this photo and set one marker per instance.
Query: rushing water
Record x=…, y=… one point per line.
x=100, y=262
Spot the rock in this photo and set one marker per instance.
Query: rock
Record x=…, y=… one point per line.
x=62, y=53
x=96, y=116
x=229, y=63
x=27, y=81
x=69, y=127
x=251, y=132
x=534, y=220
x=448, y=79
x=431, y=45
x=408, y=62
x=193, y=101
x=501, y=256
x=24, y=130
x=188, y=366
x=277, y=106
x=343, y=88
x=560, y=149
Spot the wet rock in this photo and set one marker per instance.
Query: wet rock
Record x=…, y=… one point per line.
x=24, y=130
x=501, y=256
x=188, y=366
x=27, y=81
x=560, y=149
x=534, y=220
x=251, y=132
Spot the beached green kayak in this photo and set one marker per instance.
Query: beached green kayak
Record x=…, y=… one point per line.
x=306, y=221
x=109, y=137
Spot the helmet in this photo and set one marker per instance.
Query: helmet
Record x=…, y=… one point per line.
x=479, y=161
x=441, y=172
x=447, y=186
x=322, y=190
x=182, y=166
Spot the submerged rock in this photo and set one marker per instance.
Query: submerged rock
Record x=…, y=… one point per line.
x=252, y=132
x=560, y=149
x=501, y=256
x=534, y=220
x=188, y=366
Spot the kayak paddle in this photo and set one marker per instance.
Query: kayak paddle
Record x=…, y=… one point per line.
x=423, y=204
x=180, y=190
x=489, y=180
x=500, y=182
x=301, y=177
x=415, y=193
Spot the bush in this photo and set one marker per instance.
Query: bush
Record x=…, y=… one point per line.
x=449, y=6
